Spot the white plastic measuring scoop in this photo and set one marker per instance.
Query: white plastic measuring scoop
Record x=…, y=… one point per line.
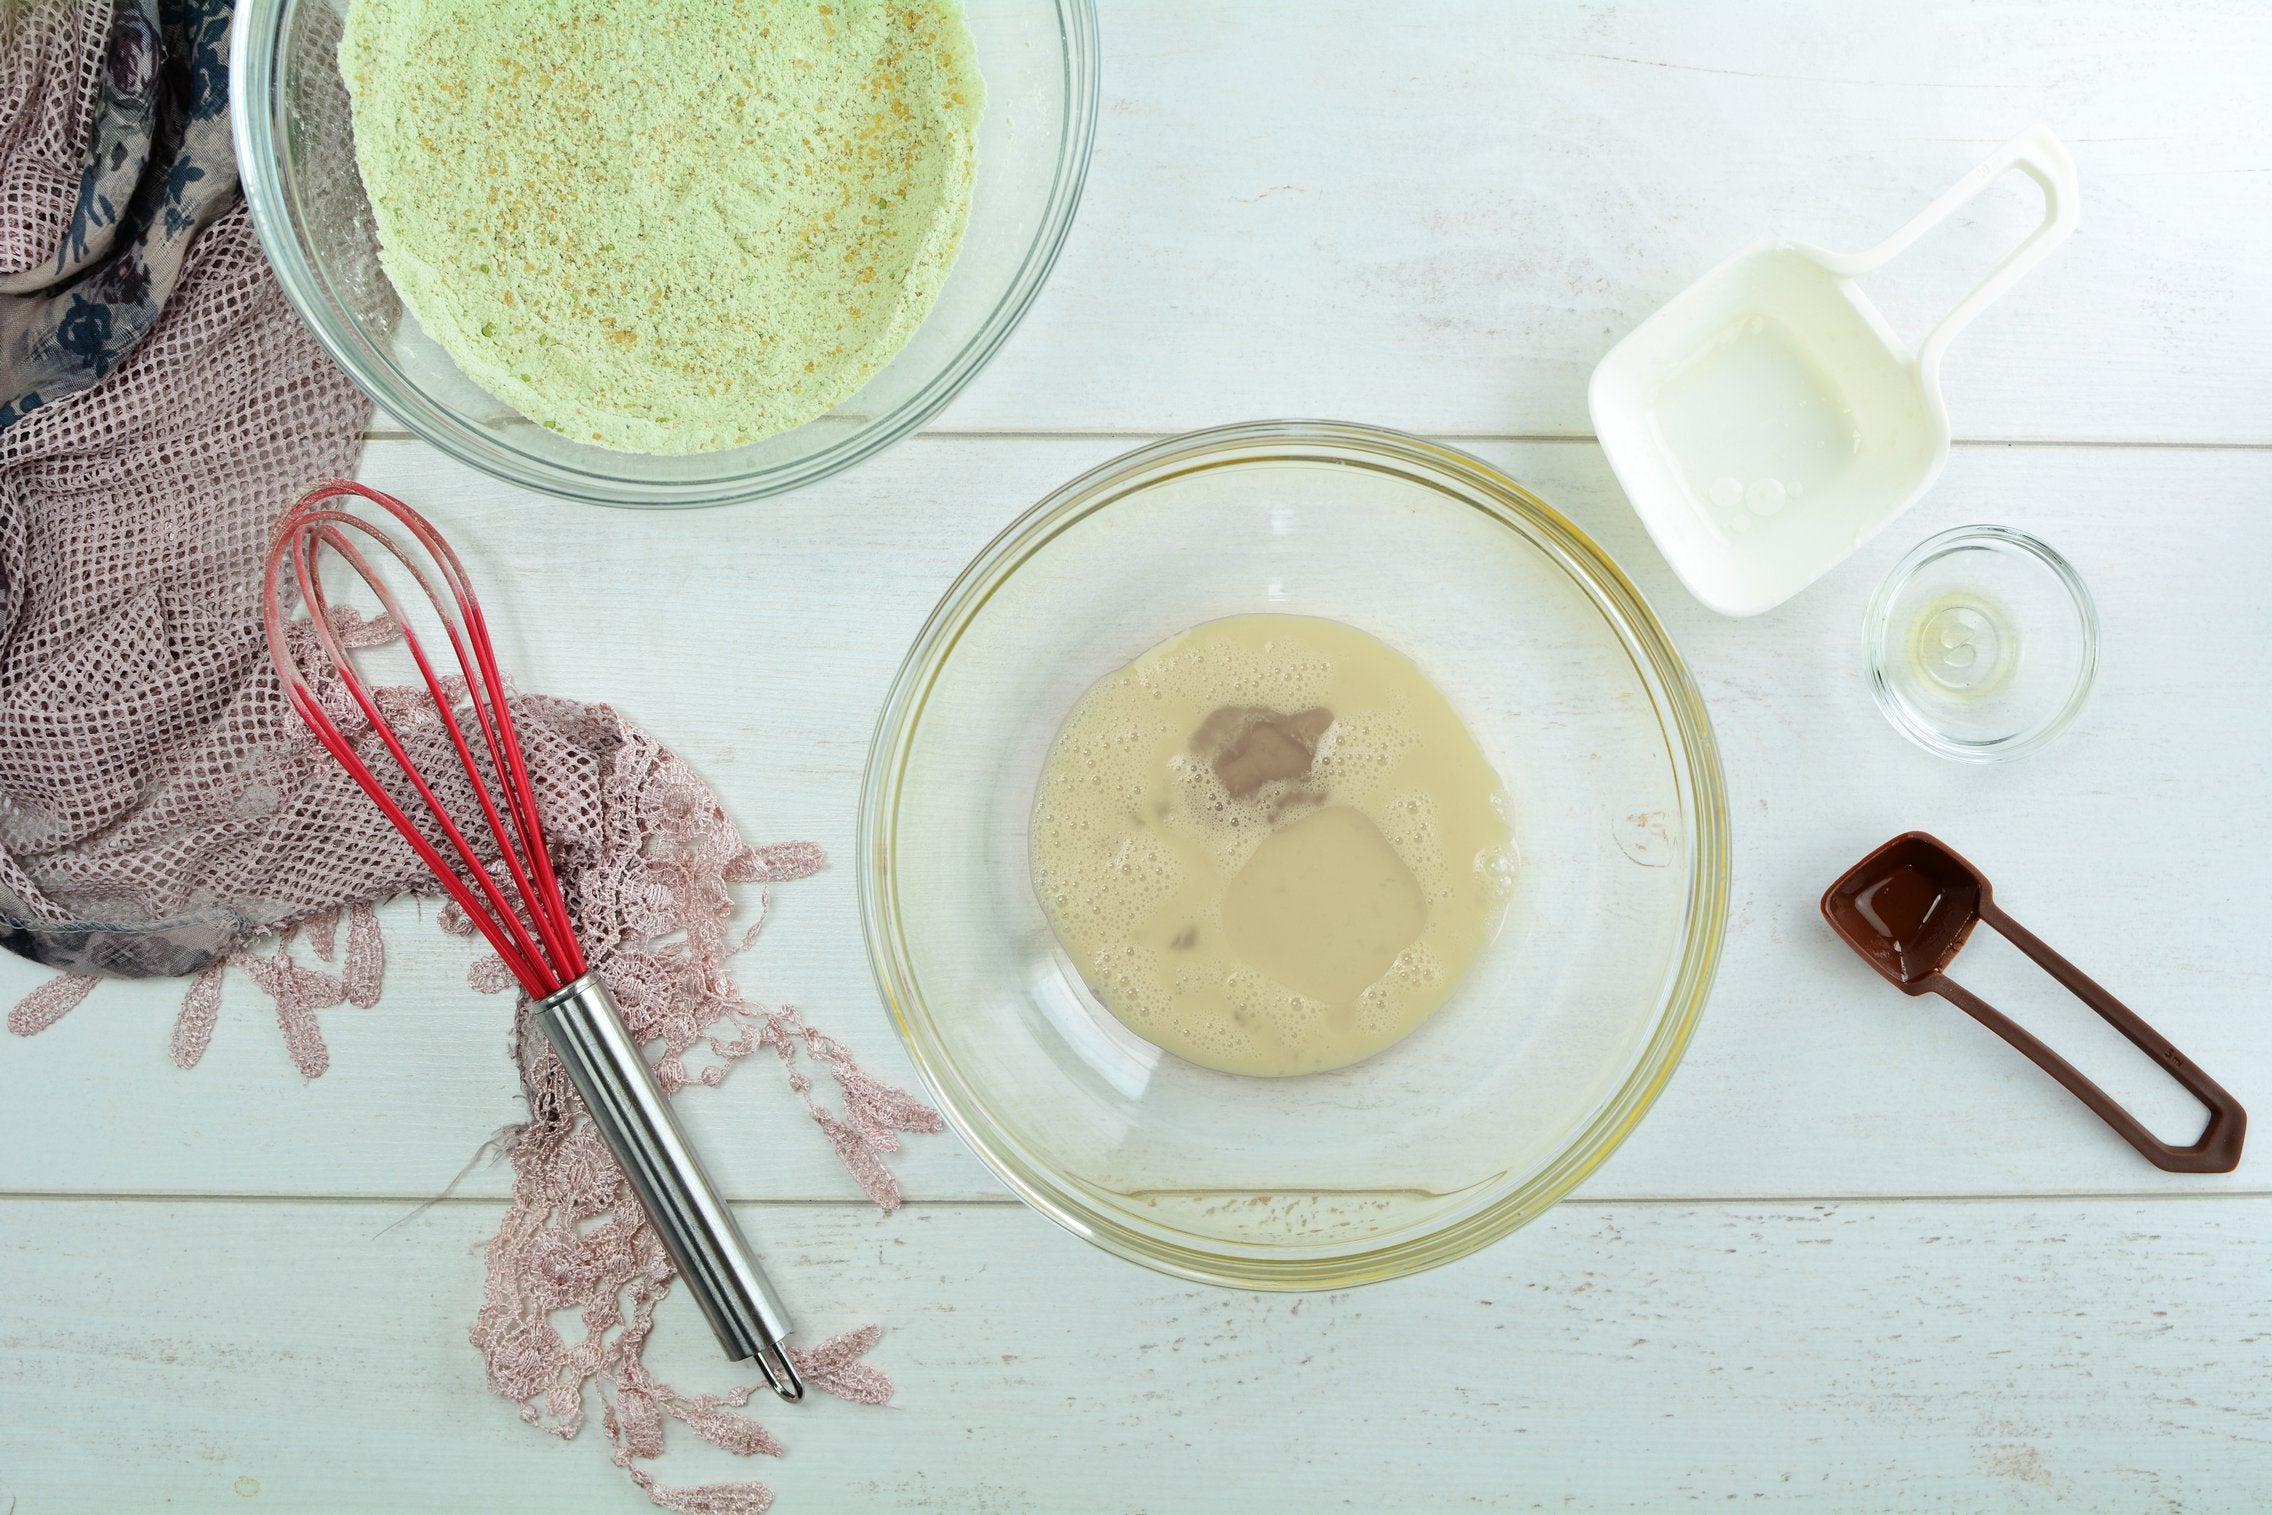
x=1767, y=421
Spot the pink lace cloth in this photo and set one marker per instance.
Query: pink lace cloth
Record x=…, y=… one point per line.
x=649, y=887
x=163, y=812
x=649, y=862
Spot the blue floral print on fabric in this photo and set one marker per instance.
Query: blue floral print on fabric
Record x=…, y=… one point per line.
x=160, y=168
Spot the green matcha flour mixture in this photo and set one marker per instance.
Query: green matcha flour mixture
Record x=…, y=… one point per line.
x=666, y=225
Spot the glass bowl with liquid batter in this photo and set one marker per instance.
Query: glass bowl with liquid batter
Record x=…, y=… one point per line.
x=1548, y=1048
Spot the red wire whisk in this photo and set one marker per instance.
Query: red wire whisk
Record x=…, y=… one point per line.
x=502, y=874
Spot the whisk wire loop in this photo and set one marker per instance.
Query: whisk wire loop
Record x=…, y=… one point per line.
x=551, y=957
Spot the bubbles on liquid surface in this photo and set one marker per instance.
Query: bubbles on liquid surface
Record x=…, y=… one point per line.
x=1748, y=502
x=1962, y=645
x=1137, y=841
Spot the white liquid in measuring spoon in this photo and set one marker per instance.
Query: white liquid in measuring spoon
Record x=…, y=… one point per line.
x=1755, y=424
x=1270, y=845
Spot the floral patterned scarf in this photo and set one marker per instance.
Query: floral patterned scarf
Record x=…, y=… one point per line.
x=158, y=170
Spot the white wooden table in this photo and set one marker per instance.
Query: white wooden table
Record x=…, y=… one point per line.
x=1859, y=1257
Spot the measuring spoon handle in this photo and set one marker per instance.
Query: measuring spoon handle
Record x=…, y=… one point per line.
x=2216, y=1150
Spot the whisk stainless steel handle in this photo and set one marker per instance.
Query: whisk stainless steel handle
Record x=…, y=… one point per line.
x=693, y=1223
x=507, y=887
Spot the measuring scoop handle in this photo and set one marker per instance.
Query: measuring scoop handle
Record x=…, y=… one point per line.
x=2217, y=1150
x=2035, y=152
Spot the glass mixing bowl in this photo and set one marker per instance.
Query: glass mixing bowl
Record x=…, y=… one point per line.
x=1541, y=1061
x=296, y=151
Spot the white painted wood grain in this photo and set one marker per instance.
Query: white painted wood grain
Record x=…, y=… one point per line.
x=1440, y=216
x=759, y=642
x=2007, y=1356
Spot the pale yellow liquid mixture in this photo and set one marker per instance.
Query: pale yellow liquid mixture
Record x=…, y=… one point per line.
x=1270, y=845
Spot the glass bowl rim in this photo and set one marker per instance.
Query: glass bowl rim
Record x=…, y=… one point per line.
x=1690, y=746
x=254, y=52
x=1877, y=622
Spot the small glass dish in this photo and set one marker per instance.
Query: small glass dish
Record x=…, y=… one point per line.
x=295, y=146
x=1982, y=644
x=1545, y=1056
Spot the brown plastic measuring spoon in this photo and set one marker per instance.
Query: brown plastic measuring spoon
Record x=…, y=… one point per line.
x=1908, y=907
